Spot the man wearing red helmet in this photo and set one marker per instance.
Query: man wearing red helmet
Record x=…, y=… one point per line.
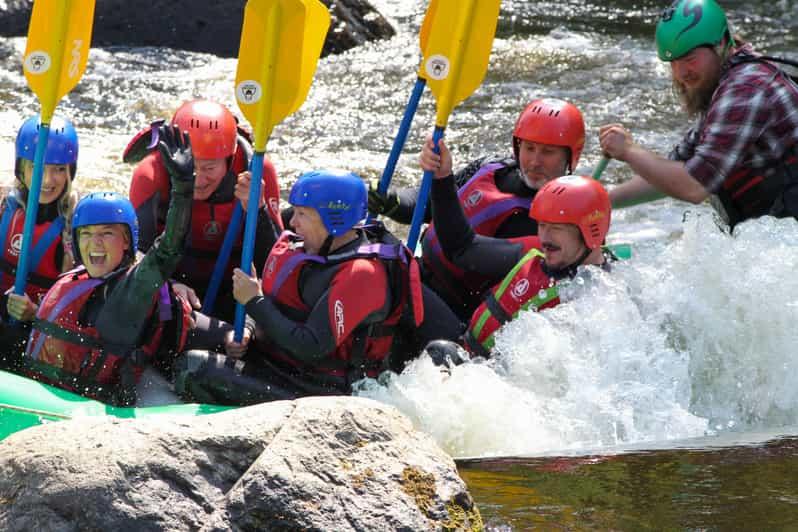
x=222, y=152
x=573, y=218
x=495, y=193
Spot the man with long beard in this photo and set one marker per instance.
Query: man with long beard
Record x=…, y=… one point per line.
x=743, y=151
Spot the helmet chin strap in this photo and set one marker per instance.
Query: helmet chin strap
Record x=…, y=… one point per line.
x=324, y=250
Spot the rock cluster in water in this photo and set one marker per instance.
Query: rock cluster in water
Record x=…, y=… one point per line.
x=212, y=26
x=338, y=463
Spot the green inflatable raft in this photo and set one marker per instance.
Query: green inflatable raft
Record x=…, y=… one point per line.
x=25, y=403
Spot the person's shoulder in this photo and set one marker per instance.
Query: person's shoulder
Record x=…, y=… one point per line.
x=150, y=175
x=360, y=269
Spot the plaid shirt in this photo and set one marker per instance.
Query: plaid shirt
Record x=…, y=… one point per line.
x=752, y=120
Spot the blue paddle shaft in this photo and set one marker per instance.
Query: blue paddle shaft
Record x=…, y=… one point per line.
x=221, y=261
x=401, y=137
x=31, y=209
x=248, y=251
x=423, y=197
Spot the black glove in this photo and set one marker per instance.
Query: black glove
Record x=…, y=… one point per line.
x=386, y=204
x=176, y=153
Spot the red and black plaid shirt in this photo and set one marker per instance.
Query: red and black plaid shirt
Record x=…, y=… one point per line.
x=752, y=120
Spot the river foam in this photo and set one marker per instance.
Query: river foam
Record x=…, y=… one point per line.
x=693, y=340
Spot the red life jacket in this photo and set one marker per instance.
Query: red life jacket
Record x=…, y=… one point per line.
x=63, y=352
x=525, y=286
x=486, y=208
x=366, y=351
x=46, y=239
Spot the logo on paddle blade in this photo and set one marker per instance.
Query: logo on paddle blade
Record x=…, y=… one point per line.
x=437, y=67
x=248, y=92
x=38, y=62
x=74, y=65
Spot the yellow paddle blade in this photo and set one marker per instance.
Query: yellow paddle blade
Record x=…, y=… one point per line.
x=317, y=24
x=458, y=50
x=423, y=35
x=57, y=50
x=280, y=45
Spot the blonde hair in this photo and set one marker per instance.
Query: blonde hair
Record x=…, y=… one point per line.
x=67, y=200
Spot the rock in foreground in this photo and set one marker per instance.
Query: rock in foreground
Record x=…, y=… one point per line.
x=317, y=464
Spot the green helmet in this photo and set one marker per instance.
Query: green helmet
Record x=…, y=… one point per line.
x=688, y=24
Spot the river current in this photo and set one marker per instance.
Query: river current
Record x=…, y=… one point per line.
x=690, y=344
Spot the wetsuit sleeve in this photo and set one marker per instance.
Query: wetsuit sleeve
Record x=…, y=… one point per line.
x=149, y=187
x=337, y=313
x=491, y=257
x=408, y=197
x=209, y=333
x=129, y=302
x=439, y=320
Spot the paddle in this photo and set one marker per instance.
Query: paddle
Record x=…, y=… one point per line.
x=281, y=42
x=622, y=250
x=455, y=61
x=600, y=167
x=410, y=110
x=233, y=229
x=56, y=54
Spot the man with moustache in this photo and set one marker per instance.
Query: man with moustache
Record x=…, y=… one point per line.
x=495, y=193
x=743, y=151
x=573, y=218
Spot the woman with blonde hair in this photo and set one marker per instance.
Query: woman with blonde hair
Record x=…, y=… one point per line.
x=52, y=250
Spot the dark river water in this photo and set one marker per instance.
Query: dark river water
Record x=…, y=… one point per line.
x=660, y=397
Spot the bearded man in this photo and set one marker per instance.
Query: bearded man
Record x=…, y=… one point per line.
x=742, y=153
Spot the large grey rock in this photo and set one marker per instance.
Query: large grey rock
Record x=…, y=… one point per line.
x=313, y=464
x=212, y=26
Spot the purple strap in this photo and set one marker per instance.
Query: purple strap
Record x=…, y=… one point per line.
x=375, y=250
x=492, y=167
x=496, y=209
x=164, y=303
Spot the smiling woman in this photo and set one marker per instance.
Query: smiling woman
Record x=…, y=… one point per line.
x=97, y=328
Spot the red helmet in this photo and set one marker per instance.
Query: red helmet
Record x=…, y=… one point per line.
x=212, y=128
x=551, y=121
x=577, y=200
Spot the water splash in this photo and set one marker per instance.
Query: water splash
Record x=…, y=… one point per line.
x=693, y=340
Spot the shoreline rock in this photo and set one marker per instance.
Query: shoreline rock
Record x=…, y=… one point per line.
x=334, y=463
x=212, y=26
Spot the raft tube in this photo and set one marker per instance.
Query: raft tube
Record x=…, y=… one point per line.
x=26, y=403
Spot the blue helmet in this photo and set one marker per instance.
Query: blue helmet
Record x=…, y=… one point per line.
x=62, y=143
x=339, y=197
x=105, y=208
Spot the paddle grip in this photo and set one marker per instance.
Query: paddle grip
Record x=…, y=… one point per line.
x=423, y=196
x=401, y=137
x=248, y=250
